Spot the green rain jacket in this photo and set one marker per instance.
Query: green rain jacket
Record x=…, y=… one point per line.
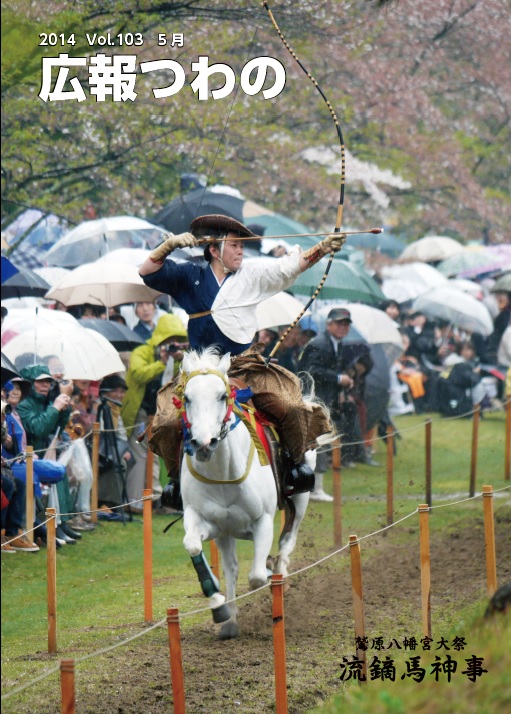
x=145, y=366
x=39, y=417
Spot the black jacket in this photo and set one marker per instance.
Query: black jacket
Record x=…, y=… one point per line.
x=454, y=389
x=320, y=361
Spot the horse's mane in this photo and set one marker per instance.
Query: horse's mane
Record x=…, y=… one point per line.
x=208, y=358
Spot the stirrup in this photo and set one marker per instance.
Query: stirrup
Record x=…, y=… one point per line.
x=171, y=496
x=299, y=478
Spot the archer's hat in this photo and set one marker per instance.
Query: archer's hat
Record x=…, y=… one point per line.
x=203, y=225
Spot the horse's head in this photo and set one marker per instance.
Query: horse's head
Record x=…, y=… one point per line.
x=207, y=401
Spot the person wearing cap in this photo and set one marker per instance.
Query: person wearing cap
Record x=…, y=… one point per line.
x=221, y=300
x=323, y=359
x=42, y=417
x=151, y=365
x=114, y=452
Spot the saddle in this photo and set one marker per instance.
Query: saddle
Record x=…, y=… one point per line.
x=265, y=436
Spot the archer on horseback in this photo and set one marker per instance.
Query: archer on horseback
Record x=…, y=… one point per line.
x=221, y=300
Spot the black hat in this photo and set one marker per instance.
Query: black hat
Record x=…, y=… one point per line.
x=339, y=313
x=113, y=381
x=202, y=225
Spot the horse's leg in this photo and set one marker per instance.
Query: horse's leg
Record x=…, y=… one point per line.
x=196, y=531
x=263, y=539
x=287, y=541
x=227, y=547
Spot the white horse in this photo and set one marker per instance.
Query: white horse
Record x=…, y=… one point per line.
x=227, y=493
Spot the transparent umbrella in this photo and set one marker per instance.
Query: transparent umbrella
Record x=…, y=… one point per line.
x=456, y=307
x=85, y=354
x=92, y=239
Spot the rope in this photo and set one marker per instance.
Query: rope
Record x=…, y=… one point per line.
x=198, y=611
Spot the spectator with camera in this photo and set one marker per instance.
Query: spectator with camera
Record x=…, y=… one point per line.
x=44, y=416
x=115, y=456
x=151, y=365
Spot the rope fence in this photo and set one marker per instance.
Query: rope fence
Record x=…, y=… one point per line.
x=67, y=667
x=354, y=541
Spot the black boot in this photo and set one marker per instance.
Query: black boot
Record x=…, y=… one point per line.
x=171, y=496
x=299, y=478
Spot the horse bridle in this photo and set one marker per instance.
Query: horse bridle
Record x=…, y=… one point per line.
x=179, y=403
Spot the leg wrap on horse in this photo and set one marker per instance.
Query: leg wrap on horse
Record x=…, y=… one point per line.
x=208, y=581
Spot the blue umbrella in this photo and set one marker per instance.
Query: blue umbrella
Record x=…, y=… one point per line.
x=8, y=269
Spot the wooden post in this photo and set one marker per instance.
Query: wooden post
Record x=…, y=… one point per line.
x=425, y=569
x=390, y=475
x=149, y=464
x=67, y=685
x=148, y=555
x=29, y=494
x=489, y=539
x=51, y=567
x=279, y=643
x=95, y=472
x=428, y=464
x=336, y=482
x=176, y=661
x=473, y=460
x=507, y=441
x=358, y=599
x=214, y=559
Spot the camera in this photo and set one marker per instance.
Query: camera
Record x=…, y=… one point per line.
x=6, y=408
x=176, y=347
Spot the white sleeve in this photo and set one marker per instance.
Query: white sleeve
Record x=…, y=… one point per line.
x=275, y=275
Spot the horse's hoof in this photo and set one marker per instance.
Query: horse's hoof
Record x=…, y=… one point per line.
x=221, y=614
x=229, y=631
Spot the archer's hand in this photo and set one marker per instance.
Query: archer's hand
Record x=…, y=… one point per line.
x=333, y=242
x=183, y=240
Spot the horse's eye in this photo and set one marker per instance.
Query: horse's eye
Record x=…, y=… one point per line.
x=222, y=397
x=186, y=400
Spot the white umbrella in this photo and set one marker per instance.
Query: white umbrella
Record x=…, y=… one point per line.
x=431, y=248
x=25, y=319
x=375, y=326
x=280, y=309
x=51, y=273
x=466, y=286
x=402, y=290
x=85, y=354
x=101, y=283
x=422, y=275
x=132, y=256
x=456, y=307
x=136, y=256
x=92, y=239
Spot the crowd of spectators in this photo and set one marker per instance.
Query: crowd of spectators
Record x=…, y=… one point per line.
x=441, y=369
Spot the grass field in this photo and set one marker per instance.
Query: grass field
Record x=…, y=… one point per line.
x=100, y=587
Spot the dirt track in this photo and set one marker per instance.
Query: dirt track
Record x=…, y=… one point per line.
x=237, y=675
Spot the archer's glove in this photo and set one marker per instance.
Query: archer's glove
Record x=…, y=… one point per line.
x=183, y=240
x=334, y=241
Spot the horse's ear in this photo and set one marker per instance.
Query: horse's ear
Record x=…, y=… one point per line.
x=225, y=363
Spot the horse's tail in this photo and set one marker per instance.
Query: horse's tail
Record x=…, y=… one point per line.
x=309, y=397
